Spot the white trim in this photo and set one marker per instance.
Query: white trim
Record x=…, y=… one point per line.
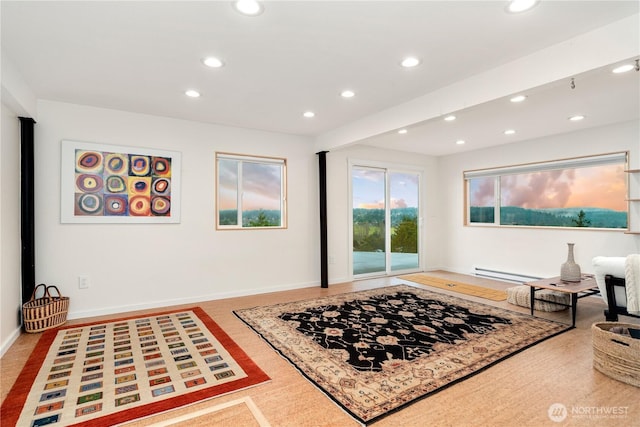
x=579, y=162
x=190, y=300
x=383, y=165
x=254, y=159
x=10, y=340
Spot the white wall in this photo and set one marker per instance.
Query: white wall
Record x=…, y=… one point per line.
x=538, y=252
x=150, y=265
x=17, y=96
x=132, y=266
x=339, y=203
x=10, y=266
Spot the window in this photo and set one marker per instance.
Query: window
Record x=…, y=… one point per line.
x=581, y=192
x=251, y=192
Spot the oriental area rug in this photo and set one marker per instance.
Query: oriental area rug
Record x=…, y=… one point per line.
x=375, y=351
x=102, y=374
x=463, y=288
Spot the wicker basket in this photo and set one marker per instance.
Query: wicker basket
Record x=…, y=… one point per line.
x=616, y=355
x=46, y=312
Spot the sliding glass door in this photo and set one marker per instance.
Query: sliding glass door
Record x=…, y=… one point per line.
x=404, y=213
x=385, y=220
x=369, y=219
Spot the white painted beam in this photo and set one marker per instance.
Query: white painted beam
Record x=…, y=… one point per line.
x=606, y=45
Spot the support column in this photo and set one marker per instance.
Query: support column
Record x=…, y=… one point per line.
x=324, y=261
x=27, y=226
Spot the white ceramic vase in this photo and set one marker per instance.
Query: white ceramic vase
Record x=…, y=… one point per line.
x=570, y=271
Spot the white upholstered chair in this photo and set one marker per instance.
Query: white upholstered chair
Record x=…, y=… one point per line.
x=612, y=274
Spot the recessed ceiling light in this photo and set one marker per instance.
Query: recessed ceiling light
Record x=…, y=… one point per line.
x=460, y=141
x=576, y=118
x=192, y=93
x=248, y=7
x=309, y=114
x=410, y=62
x=509, y=132
x=518, y=98
x=402, y=131
x=450, y=118
x=212, y=62
x=623, y=68
x=517, y=6
x=347, y=94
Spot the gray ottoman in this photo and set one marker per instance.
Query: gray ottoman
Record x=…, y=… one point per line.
x=521, y=295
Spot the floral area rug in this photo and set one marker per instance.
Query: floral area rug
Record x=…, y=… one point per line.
x=376, y=351
x=102, y=374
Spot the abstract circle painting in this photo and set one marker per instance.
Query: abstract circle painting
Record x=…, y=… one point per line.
x=161, y=166
x=88, y=183
x=119, y=183
x=89, y=161
x=116, y=184
x=116, y=164
x=139, y=165
x=161, y=186
x=89, y=204
x=116, y=205
x=139, y=206
x=160, y=206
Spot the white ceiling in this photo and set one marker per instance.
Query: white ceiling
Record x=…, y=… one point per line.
x=299, y=55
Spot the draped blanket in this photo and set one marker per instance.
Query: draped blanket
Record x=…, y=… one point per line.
x=632, y=283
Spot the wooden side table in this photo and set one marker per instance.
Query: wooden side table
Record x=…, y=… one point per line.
x=587, y=286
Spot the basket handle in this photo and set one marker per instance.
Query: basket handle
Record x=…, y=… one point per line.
x=619, y=342
x=35, y=290
x=57, y=291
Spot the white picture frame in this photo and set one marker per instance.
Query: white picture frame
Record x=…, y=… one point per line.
x=115, y=184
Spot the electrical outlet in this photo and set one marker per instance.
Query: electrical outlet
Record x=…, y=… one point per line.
x=332, y=259
x=83, y=282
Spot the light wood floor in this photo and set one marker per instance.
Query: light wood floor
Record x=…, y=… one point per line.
x=515, y=392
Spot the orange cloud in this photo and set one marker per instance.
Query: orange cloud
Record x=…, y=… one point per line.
x=371, y=205
x=606, y=189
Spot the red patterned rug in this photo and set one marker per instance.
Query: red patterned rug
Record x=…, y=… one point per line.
x=105, y=373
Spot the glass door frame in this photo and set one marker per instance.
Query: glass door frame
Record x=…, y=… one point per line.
x=387, y=168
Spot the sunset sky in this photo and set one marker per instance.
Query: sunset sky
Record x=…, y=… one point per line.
x=598, y=186
x=369, y=189
x=262, y=185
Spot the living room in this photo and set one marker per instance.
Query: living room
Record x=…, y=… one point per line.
x=148, y=266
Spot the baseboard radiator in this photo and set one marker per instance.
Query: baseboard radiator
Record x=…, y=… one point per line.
x=503, y=275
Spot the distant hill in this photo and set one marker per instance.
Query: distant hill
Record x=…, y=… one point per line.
x=555, y=217
x=229, y=216
x=376, y=216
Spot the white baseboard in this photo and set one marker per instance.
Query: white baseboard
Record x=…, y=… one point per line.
x=191, y=300
x=10, y=340
x=168, y=303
